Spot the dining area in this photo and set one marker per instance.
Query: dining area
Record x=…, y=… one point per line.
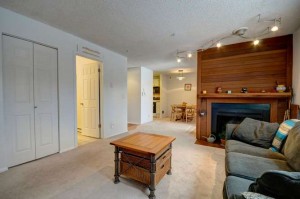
x=183, y=112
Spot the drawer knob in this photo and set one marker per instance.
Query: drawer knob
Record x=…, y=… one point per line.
x=162, y=166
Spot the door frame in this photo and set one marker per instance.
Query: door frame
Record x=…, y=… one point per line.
x=100, y=62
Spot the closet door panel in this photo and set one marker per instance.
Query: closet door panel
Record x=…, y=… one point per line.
x=46, y=102
x=18, y=100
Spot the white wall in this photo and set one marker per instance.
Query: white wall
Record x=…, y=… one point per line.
x=140, y=95
x=163, y=96
x=146, y=95
x=114, y=78
x=176, y=93
x=134, y=95
x=296, y=66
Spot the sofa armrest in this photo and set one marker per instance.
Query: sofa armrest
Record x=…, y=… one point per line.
x=229, y=130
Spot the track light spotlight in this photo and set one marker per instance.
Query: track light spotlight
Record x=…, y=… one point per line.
x=274, y=28
x=256, y=42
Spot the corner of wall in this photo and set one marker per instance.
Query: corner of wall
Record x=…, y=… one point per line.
x=3, y=169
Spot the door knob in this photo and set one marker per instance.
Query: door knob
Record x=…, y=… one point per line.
x=81, y=104
x=35, y=106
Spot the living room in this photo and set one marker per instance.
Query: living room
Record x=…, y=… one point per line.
x=232, y=47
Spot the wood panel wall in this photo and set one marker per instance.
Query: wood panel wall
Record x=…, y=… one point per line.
x=244, y=65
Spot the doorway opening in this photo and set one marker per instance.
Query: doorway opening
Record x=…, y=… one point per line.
x=88, y=100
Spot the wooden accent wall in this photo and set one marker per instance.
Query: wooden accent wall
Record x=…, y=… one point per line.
x=244, y=65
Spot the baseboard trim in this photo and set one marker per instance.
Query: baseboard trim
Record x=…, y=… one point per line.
x=67, y=149
x=3, y=169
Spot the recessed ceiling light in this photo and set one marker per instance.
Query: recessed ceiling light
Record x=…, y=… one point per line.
x=178, y=59
x=189, y=55
x=219, y=44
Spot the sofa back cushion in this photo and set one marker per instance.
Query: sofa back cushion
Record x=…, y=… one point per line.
x=282, y=134
x=292, y=147
x=255, y=132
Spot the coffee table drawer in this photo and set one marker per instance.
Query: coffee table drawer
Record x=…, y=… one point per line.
x=144, y=162
x=143, y=175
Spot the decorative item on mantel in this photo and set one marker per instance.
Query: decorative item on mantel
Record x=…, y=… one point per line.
x=219, y=90
x=244, y=90
x=280, y=88
x=204, y=92
x=228, y=91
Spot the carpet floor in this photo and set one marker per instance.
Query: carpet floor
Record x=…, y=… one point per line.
x=87, y=171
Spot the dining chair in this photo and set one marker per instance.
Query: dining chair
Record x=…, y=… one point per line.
x=190, y=112
x=176, y=112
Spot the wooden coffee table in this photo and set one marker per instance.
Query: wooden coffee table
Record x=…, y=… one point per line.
x=144, y=157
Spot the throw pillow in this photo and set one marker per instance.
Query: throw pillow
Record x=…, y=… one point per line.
x=278, y=184
x=292, y=147
x=252, y=195
x=282, y=133
x=255, y=132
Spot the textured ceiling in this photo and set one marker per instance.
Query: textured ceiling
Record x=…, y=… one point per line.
x=142, y=29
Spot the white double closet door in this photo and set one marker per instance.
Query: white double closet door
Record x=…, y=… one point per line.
x=30, y=100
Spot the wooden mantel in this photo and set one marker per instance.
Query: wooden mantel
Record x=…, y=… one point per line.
x=246, y=95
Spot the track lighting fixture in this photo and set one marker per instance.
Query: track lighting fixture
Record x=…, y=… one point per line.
x=182, y=55
x=240, y=32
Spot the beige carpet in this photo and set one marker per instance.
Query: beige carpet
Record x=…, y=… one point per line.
x=82, y=140
x=87, y=172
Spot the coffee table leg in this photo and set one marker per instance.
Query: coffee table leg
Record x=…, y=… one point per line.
x=170, y=171
x=152, y=177
x=117, y=160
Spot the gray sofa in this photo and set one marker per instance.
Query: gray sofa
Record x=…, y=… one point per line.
x=246, y=163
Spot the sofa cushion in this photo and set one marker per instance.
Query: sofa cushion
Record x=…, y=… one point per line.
x=240, y=147
x=252, y=167
x=253, y=195
x=234, y=186
x=256, y=132
x=282, y=133
x=292, y=147
x=278, y=184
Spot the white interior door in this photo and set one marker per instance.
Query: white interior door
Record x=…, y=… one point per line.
x=45, y=97
x=91, y=100
x=18, y=99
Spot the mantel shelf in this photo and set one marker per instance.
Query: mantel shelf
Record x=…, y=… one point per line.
x=246, y=95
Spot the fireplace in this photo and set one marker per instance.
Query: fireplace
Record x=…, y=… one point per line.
x=234, y=113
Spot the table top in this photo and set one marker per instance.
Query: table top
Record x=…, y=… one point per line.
x=145, y=143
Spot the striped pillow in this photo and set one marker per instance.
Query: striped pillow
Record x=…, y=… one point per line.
x=282, y=133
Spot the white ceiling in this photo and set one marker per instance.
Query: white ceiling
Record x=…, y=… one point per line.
x=142, y=29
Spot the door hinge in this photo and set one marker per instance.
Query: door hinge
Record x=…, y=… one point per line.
x=99, y=125
x=99, y=70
